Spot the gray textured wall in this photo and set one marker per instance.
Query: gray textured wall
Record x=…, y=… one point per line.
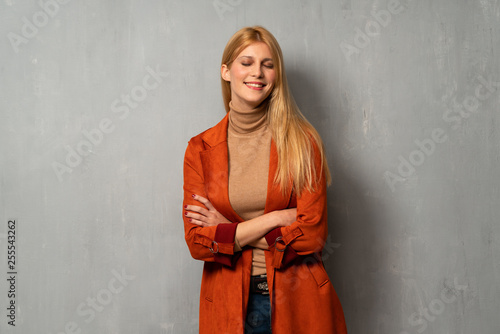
x=99, y=99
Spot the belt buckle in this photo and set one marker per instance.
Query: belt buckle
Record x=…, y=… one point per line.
x=260, y=285
x=263, y=286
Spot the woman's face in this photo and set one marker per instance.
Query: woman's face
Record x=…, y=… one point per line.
x=251, y=75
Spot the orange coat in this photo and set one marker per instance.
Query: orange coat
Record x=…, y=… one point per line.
x=302, y=298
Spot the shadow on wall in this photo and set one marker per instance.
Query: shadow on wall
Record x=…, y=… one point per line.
x=356, y=252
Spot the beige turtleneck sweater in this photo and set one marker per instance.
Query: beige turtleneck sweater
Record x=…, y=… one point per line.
x=249, y=145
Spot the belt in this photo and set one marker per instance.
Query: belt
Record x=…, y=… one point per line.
x=258, y=284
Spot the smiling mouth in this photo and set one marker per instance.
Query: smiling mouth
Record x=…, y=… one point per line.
x=255, y=85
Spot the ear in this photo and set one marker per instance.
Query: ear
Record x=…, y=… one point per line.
x=225, y=73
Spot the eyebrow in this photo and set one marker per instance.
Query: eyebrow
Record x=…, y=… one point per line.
x=265, y=59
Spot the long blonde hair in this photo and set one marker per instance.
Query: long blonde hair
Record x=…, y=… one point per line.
x=291, y=132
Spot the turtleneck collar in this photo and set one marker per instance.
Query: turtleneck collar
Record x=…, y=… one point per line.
x=247, y=121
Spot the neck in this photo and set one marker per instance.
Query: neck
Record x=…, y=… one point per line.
x=247, y=120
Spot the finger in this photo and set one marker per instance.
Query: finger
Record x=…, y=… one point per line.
x=204, y=201
x=196, y=208
x=196, y=222
x=195, y=216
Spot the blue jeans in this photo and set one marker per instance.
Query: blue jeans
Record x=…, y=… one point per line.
x=258, y=315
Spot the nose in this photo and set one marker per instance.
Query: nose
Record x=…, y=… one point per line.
x=257, y=71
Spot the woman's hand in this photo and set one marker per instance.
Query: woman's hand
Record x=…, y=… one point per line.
x=204, y=216
x=286, y=217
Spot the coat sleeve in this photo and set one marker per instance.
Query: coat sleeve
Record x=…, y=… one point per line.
x=213, y=243
x=308, y=233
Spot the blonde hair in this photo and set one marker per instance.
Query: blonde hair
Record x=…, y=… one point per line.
x=291, y=132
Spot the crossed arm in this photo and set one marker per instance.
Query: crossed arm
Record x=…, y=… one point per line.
x=287, y=233
x=250, y=232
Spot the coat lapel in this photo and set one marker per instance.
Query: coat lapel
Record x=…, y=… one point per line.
x=215, y=169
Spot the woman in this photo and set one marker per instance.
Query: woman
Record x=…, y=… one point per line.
x=255, y=203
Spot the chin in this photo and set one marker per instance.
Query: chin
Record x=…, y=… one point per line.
x=256, y=102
